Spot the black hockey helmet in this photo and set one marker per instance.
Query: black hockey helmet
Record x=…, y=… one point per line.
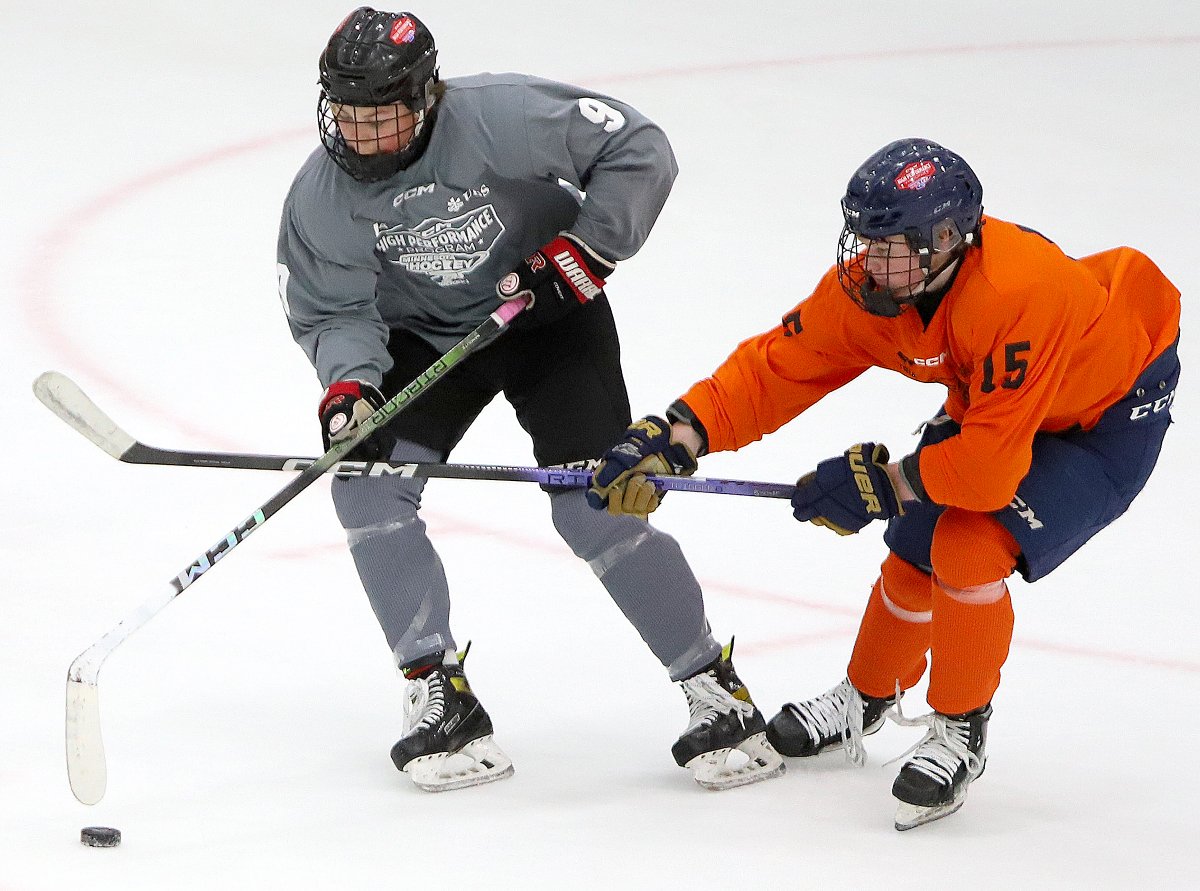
x=911, y=187
x=377, y=59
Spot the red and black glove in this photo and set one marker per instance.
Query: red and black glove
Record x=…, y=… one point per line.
x=562, y=276
x=344, y=407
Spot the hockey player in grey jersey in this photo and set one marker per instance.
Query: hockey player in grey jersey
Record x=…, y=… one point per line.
x=429, y=203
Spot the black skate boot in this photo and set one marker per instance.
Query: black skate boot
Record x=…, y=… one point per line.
x=724, y=718
x=933, y=783
x=838, y=718
x=447, y=742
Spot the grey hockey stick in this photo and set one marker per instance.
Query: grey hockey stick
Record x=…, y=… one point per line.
x=63, y=397
x=86, y=766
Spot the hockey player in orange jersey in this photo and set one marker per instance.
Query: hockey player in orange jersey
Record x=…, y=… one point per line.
x=1060, y=375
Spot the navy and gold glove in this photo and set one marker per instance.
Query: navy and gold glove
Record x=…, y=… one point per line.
x=619, y=482
x=848, y=492
x=563, y=276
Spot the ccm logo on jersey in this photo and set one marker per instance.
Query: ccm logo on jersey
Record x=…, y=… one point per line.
x=858, y=466
x=412, y=193
x=931, y=362
x=1151, y=408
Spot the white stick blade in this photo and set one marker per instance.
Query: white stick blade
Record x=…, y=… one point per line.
x=85, y=748
x=62, y=396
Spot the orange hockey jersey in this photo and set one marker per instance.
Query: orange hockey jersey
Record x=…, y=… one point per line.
x=1027, y=339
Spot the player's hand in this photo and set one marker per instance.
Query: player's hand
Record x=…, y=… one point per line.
x=619, y=482
x=848, y=492
x=344, y=407
x=560, y=277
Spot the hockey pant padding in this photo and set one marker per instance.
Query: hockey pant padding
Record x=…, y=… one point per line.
x=895, y=631
x=972, y=555
x=645, y=573
x=399, y=569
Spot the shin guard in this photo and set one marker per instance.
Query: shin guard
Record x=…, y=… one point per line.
x=894, y=635
x=972, y=554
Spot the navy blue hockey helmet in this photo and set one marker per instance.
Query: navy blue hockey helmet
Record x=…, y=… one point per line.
x=377, y=59
x=914, y=188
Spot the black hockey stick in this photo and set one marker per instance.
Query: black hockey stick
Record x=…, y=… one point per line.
x=86, y=767
x=63, y=397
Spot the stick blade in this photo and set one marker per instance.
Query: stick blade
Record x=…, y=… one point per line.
x=62, y=396
x=86, y=767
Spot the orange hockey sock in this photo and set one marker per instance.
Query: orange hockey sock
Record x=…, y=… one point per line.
x=972, y=554
x=894, y=635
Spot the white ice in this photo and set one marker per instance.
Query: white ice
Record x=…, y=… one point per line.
x=147, y=150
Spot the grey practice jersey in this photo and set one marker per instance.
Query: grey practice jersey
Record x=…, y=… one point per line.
x=422, y=251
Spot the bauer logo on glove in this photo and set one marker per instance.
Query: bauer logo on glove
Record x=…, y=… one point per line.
x=858, y=467
x=848, y=492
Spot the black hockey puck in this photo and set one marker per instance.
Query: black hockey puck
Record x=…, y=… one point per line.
x=100, y=836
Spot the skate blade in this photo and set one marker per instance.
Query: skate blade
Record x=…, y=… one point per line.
x=910, y=816
x=479, y=761
x=718, y=770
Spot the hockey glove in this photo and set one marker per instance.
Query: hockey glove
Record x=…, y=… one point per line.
x=619, y=482
x=562, y=276
x=345, y=406
x=848, y=492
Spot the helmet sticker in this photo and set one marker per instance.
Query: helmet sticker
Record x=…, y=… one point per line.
x=915, y=176
x=403, y=31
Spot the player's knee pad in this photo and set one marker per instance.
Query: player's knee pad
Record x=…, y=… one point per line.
x=363, y=502
x=907, y=590
x=595, y=535
x=971, y=550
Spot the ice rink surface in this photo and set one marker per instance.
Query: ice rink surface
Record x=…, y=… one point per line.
x=148, y=149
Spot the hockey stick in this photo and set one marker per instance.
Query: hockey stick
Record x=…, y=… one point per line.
x=63, y=397
x=86, y=768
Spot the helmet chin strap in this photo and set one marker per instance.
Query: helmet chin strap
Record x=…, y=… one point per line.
x=943, y=276
x=879, y=301
x=418, y=126
x=883, y=302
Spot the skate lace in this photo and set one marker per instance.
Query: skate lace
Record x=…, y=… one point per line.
x=943, y=748
x=425, y=702
x=707, y=700
x=836, y=712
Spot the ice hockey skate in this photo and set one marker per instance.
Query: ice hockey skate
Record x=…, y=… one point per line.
x=933, y=783
x=838, y=718
x=725, y=744
x=447, y=742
